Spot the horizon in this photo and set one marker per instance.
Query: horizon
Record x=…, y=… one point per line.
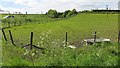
x=34, y=6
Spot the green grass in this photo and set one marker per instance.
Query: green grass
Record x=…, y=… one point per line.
x=23, y=19
x=51, y=36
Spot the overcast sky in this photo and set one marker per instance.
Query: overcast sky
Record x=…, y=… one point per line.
x=33, y=6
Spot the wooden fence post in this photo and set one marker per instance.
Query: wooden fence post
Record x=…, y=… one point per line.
x=4, y=35
x=95, y=37
x=11, y=38
x=66, y=38
x=31, y=40
x=119, y=36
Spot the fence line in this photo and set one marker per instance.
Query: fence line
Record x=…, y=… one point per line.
x=66, y=39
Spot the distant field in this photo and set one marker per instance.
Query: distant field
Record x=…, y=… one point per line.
x=51, y=36
x=23, y=19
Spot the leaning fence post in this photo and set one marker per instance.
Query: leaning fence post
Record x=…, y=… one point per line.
x=11, y=38
x=66, y=38
x=4, y=35
x=31, y=40
x=95, y=37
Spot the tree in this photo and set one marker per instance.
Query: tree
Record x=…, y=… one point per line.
x=74, y=11
x=60, y=15
x=68, y=13
x=52, y=13
x=65, y=14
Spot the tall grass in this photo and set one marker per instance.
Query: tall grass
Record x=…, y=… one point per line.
x=51, y=36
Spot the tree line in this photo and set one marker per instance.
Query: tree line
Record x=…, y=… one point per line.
x=68, y=13
x=54, y=14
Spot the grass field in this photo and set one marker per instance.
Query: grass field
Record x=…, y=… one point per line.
x=51, y=36
x=23, y=19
